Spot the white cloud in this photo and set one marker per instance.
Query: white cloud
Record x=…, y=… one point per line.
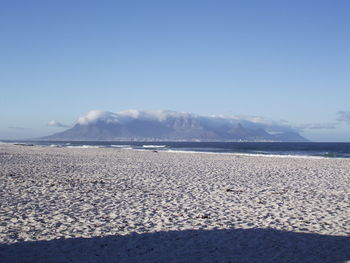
x=163, y=115
x=16, y=128
x=98, y=115
x=317, y=126
x=54, y=123
x=159, y=115
x=344, y=116
x=123, y=116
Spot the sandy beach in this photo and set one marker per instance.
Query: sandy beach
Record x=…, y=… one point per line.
x=116, y=205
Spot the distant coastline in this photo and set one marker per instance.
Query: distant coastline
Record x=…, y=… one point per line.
x=301, y=149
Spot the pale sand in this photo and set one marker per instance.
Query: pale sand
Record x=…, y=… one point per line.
x=113, y=205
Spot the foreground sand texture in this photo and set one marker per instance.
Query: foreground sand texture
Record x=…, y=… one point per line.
x=114, y=205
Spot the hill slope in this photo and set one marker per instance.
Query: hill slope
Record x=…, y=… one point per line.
x=169, y=125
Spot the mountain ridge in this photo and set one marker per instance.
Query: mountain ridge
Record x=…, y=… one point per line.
x=138, y=125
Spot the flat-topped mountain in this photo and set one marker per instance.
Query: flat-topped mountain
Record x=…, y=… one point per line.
x=174, y=126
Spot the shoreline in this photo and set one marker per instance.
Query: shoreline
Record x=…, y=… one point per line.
x=160, y=148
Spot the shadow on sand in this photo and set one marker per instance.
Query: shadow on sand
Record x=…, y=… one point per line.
x=235, y=245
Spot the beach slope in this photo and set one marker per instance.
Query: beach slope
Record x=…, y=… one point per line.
x=115, y=205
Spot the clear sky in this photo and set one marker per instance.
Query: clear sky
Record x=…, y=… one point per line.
x=283, y=60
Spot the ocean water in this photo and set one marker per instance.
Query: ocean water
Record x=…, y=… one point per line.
x=310, y=149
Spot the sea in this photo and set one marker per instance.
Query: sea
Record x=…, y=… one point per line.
x=281, y=149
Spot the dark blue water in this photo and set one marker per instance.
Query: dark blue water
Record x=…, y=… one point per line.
x=331, y=150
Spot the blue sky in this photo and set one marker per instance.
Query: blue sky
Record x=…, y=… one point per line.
x=283, y=60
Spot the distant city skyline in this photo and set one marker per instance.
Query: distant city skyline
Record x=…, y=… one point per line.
x=286, y=61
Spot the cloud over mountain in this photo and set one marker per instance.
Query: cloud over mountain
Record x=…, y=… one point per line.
x=163, y=115
x=54, y=123
x=317, y=126
x=171, y=125
x=344, y=116
x=127, y=115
